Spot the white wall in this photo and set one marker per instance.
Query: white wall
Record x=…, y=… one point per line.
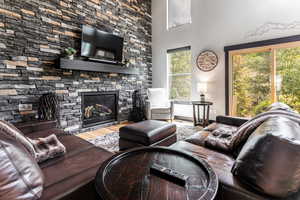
x=215, y=24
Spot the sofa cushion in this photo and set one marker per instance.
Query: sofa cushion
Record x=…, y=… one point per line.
x=215, y=136
x=20, y=176
x=280, y=106
x=147, y=132
x=198, y=138
x=11, y=131
x=270, y=160
x=233, y=121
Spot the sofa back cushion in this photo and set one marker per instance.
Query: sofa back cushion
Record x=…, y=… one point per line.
x=270, y=160
x=20, y=176
x=280, y=106
x=11, y=131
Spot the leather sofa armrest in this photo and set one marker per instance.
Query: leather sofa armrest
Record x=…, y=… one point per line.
x=233, y=121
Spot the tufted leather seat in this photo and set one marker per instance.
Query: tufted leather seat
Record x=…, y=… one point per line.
x=207, y=138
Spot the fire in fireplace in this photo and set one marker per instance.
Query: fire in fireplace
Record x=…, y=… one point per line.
x=99, y=107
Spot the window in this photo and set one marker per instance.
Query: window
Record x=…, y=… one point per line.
x=179, y=13
x=264, y=75
x=180, y=73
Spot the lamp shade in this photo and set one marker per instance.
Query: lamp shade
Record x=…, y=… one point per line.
x=202, y=87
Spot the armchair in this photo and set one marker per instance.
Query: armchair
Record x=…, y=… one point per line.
x=158, y=105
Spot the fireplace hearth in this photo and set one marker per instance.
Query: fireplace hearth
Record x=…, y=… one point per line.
x=99, y=108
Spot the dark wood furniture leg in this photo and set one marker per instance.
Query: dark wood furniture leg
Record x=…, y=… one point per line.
x=205, y=115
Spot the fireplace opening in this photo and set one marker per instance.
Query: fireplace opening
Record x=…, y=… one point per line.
x=99, y=108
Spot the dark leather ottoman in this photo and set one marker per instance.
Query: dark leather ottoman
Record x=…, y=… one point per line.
x=147, y=133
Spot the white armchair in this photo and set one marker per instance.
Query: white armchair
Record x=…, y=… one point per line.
x=158, y=105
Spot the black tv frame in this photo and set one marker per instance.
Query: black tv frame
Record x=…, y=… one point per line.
x=99, y=59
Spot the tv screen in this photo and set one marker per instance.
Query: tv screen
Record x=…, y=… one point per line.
x=100, y=45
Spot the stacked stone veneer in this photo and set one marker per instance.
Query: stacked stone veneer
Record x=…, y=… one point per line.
x=33, y=33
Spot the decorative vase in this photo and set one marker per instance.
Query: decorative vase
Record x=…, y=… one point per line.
x=71, y=57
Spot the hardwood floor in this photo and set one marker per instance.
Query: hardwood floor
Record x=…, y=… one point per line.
x=115, y=128
x=102, y=131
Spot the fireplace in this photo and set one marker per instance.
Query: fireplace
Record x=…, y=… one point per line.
x=99, y=108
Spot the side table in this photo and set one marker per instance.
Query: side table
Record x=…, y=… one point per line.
x=205, y=112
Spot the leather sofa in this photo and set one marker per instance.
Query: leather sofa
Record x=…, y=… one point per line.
x=230, y=188
x=72, y=175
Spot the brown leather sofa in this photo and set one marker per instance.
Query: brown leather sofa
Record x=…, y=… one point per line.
x=230, y=187
x=72, y=175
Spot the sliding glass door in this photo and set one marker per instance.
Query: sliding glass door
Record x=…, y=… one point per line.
x=263, y=75
x=288, y=76
x=251, y=82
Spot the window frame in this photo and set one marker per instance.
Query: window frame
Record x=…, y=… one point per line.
x=169, y=75
x=266, y=45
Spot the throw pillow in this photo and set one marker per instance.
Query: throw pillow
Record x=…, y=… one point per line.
x=48, y=148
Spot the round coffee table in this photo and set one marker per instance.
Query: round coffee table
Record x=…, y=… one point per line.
x=156, y=173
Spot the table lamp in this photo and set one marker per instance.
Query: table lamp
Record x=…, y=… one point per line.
x=202, y=88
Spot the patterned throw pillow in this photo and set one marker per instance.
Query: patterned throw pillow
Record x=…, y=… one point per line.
x=48, y=148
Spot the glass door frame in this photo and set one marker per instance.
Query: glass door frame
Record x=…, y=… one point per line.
x=261, y=46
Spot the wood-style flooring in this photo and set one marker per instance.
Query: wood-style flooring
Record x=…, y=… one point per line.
x=114, y=128
x=102, y=131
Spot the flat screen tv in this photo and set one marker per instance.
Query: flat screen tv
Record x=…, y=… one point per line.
x=100, y=45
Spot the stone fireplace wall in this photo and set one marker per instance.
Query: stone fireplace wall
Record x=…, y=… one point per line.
x=34, y=33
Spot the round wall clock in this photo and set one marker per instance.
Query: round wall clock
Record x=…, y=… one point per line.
x=207, y=61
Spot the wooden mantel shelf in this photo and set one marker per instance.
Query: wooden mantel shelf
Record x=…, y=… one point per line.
x=83, y=65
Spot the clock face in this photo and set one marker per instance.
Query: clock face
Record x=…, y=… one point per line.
x=207, y=61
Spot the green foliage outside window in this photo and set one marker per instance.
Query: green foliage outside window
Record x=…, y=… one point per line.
x=252, y=81
x=180, y=77
x=288, y=67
